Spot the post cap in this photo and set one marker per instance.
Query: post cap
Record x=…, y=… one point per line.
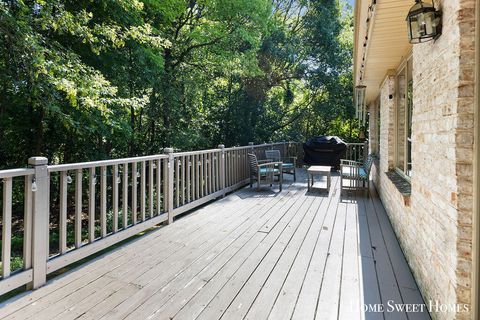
x=250, y=143
x=168, y=150
x=38, y=161
x=221, y=146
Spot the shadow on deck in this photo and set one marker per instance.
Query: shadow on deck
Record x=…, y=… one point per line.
x=253, y=255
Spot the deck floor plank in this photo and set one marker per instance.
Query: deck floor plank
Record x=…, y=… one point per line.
x=187, y=285
x=264, y=285
x=222, y=290
x=328, y=299
x=285, y=302
x=350, y=302
x=251, y=255
x=389, y=290
x=306, y=304
x=164, y=275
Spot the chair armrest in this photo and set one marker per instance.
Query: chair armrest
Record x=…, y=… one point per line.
x=264, y=161
x=345, y=162
x=269, y=164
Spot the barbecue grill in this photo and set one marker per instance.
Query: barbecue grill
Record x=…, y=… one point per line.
x=324, y=151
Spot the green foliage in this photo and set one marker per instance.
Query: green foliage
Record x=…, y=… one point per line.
x=86, y=80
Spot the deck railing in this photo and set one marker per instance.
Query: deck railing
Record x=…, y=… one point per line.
x=71, y=211
x=357, y=151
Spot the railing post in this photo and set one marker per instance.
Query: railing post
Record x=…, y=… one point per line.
x=222, y=169
x=365, y=150
x=169, y=191
x=40, y=228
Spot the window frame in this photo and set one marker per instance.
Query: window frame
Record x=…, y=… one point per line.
x=378, y=124
x=403, y=67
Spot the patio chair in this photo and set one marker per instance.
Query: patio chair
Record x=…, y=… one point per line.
x=265, y=170
x=289, y=163
x=357, y=172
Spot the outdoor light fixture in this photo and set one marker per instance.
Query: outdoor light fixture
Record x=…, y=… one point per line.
x=423, y=22
x=360, y=104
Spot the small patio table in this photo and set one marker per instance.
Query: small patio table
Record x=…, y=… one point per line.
x=319, y=170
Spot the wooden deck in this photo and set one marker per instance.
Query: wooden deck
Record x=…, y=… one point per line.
x=252, y=255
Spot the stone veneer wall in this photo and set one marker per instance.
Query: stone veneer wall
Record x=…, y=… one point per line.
x=434, y=224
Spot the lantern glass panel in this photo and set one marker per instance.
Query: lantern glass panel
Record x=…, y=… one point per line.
x=422, y=23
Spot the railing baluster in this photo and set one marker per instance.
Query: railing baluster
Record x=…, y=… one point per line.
x=134, y=192
x=103, y=201
x=200, y=174
x=125, y=196
x=27, y=224
x=170, y=177
x=221, y=168
x=115, y=182
x=189, y=168
x=78, y=208
x=159, y=187
x=165, y=185
x=91, y=205
x=142, y=191
x=240, y=165
x=183, y=180
x=177, y=182
x=210, y=172
x=215, y=172
x=6, y=226
x=243, y=165
x=63, y=213
x=237, y=167
x=232, y=168
x=207, y=174
x=150, y=188
x=204, y=180
x=228, y=168
x=197, y=177
x=191, y=159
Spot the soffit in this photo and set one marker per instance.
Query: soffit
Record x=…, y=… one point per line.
x=387, y=42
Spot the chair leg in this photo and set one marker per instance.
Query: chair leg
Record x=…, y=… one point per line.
x=294, y=175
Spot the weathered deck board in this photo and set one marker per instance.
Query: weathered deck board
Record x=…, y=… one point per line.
x=252, y=255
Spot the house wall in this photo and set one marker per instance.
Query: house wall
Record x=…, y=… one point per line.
x=434, y=223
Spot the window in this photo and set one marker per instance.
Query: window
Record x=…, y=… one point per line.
x=404, y=110
x=378, y=126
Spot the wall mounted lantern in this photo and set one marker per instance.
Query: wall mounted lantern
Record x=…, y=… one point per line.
x=423, y=22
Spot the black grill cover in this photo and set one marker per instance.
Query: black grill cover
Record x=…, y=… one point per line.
x=324, y=151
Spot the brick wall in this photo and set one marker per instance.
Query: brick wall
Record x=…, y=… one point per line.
x=434, y=224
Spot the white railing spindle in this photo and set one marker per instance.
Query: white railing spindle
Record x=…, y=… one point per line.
x=63, y=212
x=6, y=226
x=115, y=182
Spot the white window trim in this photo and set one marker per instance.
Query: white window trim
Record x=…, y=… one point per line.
x=403, y=65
